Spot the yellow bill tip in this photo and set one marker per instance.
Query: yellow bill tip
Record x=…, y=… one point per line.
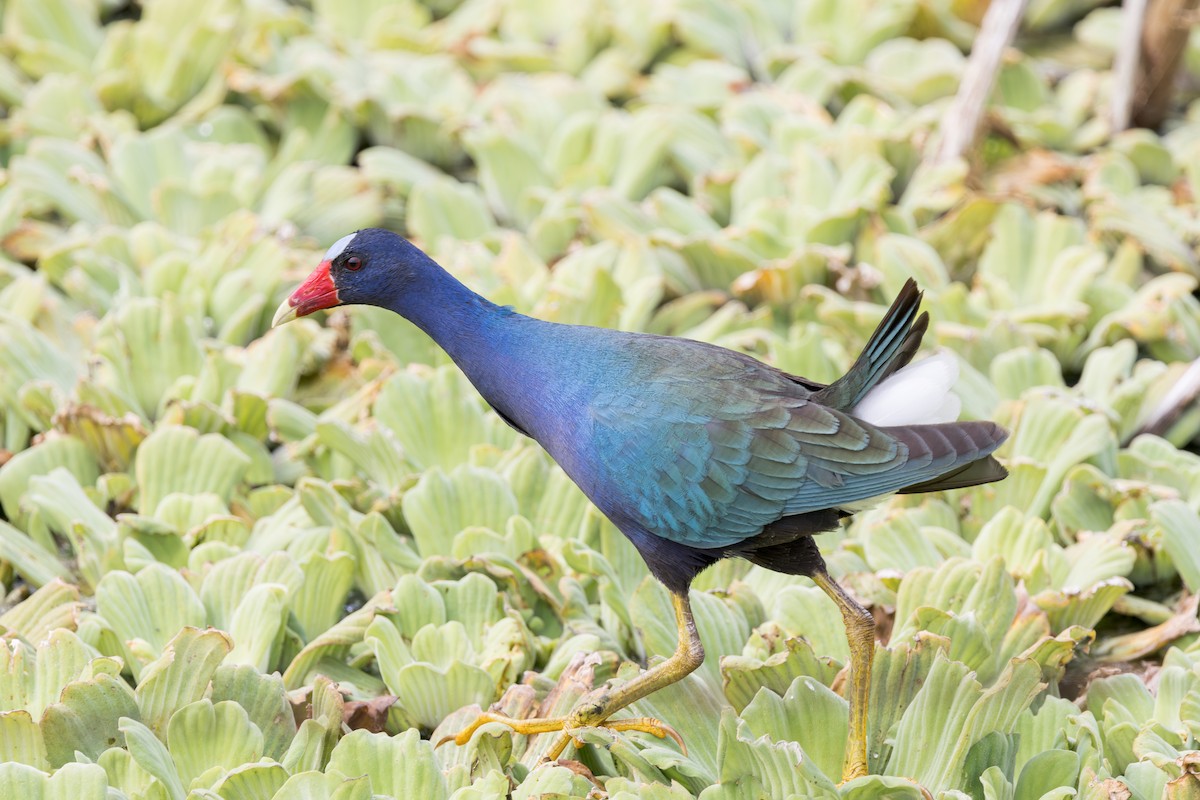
x=285, y=313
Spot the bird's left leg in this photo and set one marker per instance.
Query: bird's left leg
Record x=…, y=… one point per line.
x=596, y=707
x=860, y=633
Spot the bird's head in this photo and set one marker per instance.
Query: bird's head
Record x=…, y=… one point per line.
x=367, y=267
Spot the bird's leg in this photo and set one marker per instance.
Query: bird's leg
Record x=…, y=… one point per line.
x=860, y=633
x=597, y=706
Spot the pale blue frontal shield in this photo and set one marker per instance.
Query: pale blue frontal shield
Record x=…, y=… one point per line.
x=337, y=247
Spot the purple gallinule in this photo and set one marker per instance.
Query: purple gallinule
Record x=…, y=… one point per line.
x=696, y=453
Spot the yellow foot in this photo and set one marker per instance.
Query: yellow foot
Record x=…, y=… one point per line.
x=852, y=773
x=595, y=708
x=535, y=725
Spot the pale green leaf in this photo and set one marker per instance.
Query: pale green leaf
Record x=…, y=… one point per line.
x=178, y=459
x=401, y=766
x=202, y=735
x=265, y=701
x=151, y=755
x=21, y=740
x=181, y=675
x=150, y=607
x=86, y=718
x=71, y=782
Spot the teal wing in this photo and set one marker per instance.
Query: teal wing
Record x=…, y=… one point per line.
x=712, y=471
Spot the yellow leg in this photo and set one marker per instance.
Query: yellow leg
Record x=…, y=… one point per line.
x=596, y=707
x=860, y=633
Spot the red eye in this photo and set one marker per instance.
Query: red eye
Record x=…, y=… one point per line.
x=354, y=263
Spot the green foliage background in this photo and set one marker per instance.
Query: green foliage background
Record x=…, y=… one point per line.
x=244, y=564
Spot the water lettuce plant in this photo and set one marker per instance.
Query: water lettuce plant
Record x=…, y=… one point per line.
x=248, y=563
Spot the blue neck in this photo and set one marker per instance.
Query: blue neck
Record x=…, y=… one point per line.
x=488, y=342
x=450, y=313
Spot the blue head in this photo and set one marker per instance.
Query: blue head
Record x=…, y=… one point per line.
x=369, y=267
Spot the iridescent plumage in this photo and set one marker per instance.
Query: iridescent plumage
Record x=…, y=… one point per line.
x=695, y=452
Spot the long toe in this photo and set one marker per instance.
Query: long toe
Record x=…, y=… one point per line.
x=522, y=726
x=650, y=725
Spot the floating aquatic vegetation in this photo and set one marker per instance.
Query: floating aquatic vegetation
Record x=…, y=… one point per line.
x=250, y=563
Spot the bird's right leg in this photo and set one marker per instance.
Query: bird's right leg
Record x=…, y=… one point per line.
x=597, y=706
x=860, y=633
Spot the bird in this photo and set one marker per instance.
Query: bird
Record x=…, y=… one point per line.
x=695, y=452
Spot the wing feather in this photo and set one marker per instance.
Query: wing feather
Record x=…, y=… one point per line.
x=712, y=473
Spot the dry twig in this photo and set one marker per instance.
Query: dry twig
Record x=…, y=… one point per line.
x=961, y=123
x=1154, y=37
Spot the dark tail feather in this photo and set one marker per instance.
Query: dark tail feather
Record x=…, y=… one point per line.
x=963, y=448
x=892, y=346
x=985, y=470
